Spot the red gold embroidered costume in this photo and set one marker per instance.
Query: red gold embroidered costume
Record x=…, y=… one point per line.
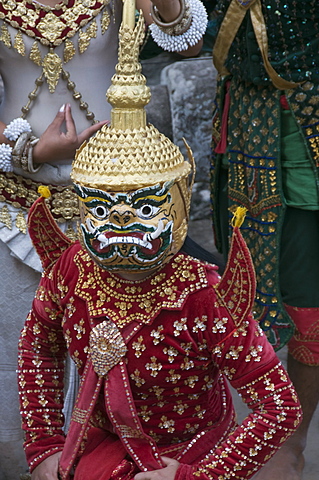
x=153, y=332
x=185, y=331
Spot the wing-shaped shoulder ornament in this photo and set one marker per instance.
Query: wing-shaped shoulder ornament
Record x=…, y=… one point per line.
x=48, y=240
x=237, y=288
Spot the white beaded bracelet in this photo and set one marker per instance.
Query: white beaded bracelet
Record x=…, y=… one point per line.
x=5, y=157
x=20, y=155
x=15, y=128
x=179, y=43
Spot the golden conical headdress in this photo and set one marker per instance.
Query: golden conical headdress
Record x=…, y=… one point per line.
x=129, y=154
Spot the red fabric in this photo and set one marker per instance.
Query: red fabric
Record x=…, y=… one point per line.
x=120, y=407
x=304, y=344
x=176, y=363
x=239, y=261
x=222, y=144
x=284, y=102
x=126, y=470
x=87, y=397
x=184, y=472
x=103, y=453
x=47, y=238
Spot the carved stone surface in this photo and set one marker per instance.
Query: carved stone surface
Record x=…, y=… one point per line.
x=191, y=86
x=190, y=92
x=158, y=111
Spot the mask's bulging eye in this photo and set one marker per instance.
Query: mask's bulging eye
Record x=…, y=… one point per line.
x=147, y=211
x=100, y=212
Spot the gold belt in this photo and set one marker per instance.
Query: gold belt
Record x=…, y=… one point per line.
x=21, y=192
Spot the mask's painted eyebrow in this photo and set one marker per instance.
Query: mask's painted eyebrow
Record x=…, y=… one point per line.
x=93, y=196
x=155, y=195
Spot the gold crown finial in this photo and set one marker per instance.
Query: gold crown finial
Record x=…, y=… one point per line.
x=129, y=153
x=128, y=93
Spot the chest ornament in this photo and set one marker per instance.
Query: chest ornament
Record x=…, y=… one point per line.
x=51, y=27
x=107, y=347
x=125, y=302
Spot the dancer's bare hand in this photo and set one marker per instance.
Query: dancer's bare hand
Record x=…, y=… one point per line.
x=55, y=144
x=48, y=469
x=166, y=473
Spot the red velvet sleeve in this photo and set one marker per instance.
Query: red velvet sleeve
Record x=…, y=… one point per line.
x=42, y=353
x=248, y=360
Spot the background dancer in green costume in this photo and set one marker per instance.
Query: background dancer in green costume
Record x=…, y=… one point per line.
x=266, y=144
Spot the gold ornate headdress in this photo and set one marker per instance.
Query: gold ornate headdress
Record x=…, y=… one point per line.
x=130, y=153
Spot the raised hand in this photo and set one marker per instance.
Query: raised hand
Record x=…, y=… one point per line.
x=54, y=144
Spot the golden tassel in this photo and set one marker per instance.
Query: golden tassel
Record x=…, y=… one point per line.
x=105, y=21
x=239, y=217
x=44, y=191
x=69, y=51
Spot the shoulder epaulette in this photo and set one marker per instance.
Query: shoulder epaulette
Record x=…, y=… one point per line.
x=237, y=287
x=48, y=240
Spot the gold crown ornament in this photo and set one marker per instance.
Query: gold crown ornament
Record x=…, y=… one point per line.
x=133, y=183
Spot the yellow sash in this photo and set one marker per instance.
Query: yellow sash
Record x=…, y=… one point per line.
x=228, y=30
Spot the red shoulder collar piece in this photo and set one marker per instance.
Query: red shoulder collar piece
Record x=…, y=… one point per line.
x=124, y=301
x=48, y=240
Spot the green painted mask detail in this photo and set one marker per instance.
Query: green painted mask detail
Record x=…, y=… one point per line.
x=127, y=231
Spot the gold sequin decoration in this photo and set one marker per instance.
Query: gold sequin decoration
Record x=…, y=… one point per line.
x=79, y=415
x=35, y=54
x=5, y=36
x=5, y=217
x=157, y=335
x=128, y=432
x=154, y=367
x=69, y=51
x=167, y=424
x=105, y=21
x=139, y=347
x=18, y=44
x=80, y=329
x=136, y=376
x=107, y=347
x=136, y=307
x=21, y=223
x=52, y=68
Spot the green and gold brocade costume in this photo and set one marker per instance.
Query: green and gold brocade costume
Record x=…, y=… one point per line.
x=255, y=177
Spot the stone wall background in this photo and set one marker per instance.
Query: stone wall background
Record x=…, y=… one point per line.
x=183, y=92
